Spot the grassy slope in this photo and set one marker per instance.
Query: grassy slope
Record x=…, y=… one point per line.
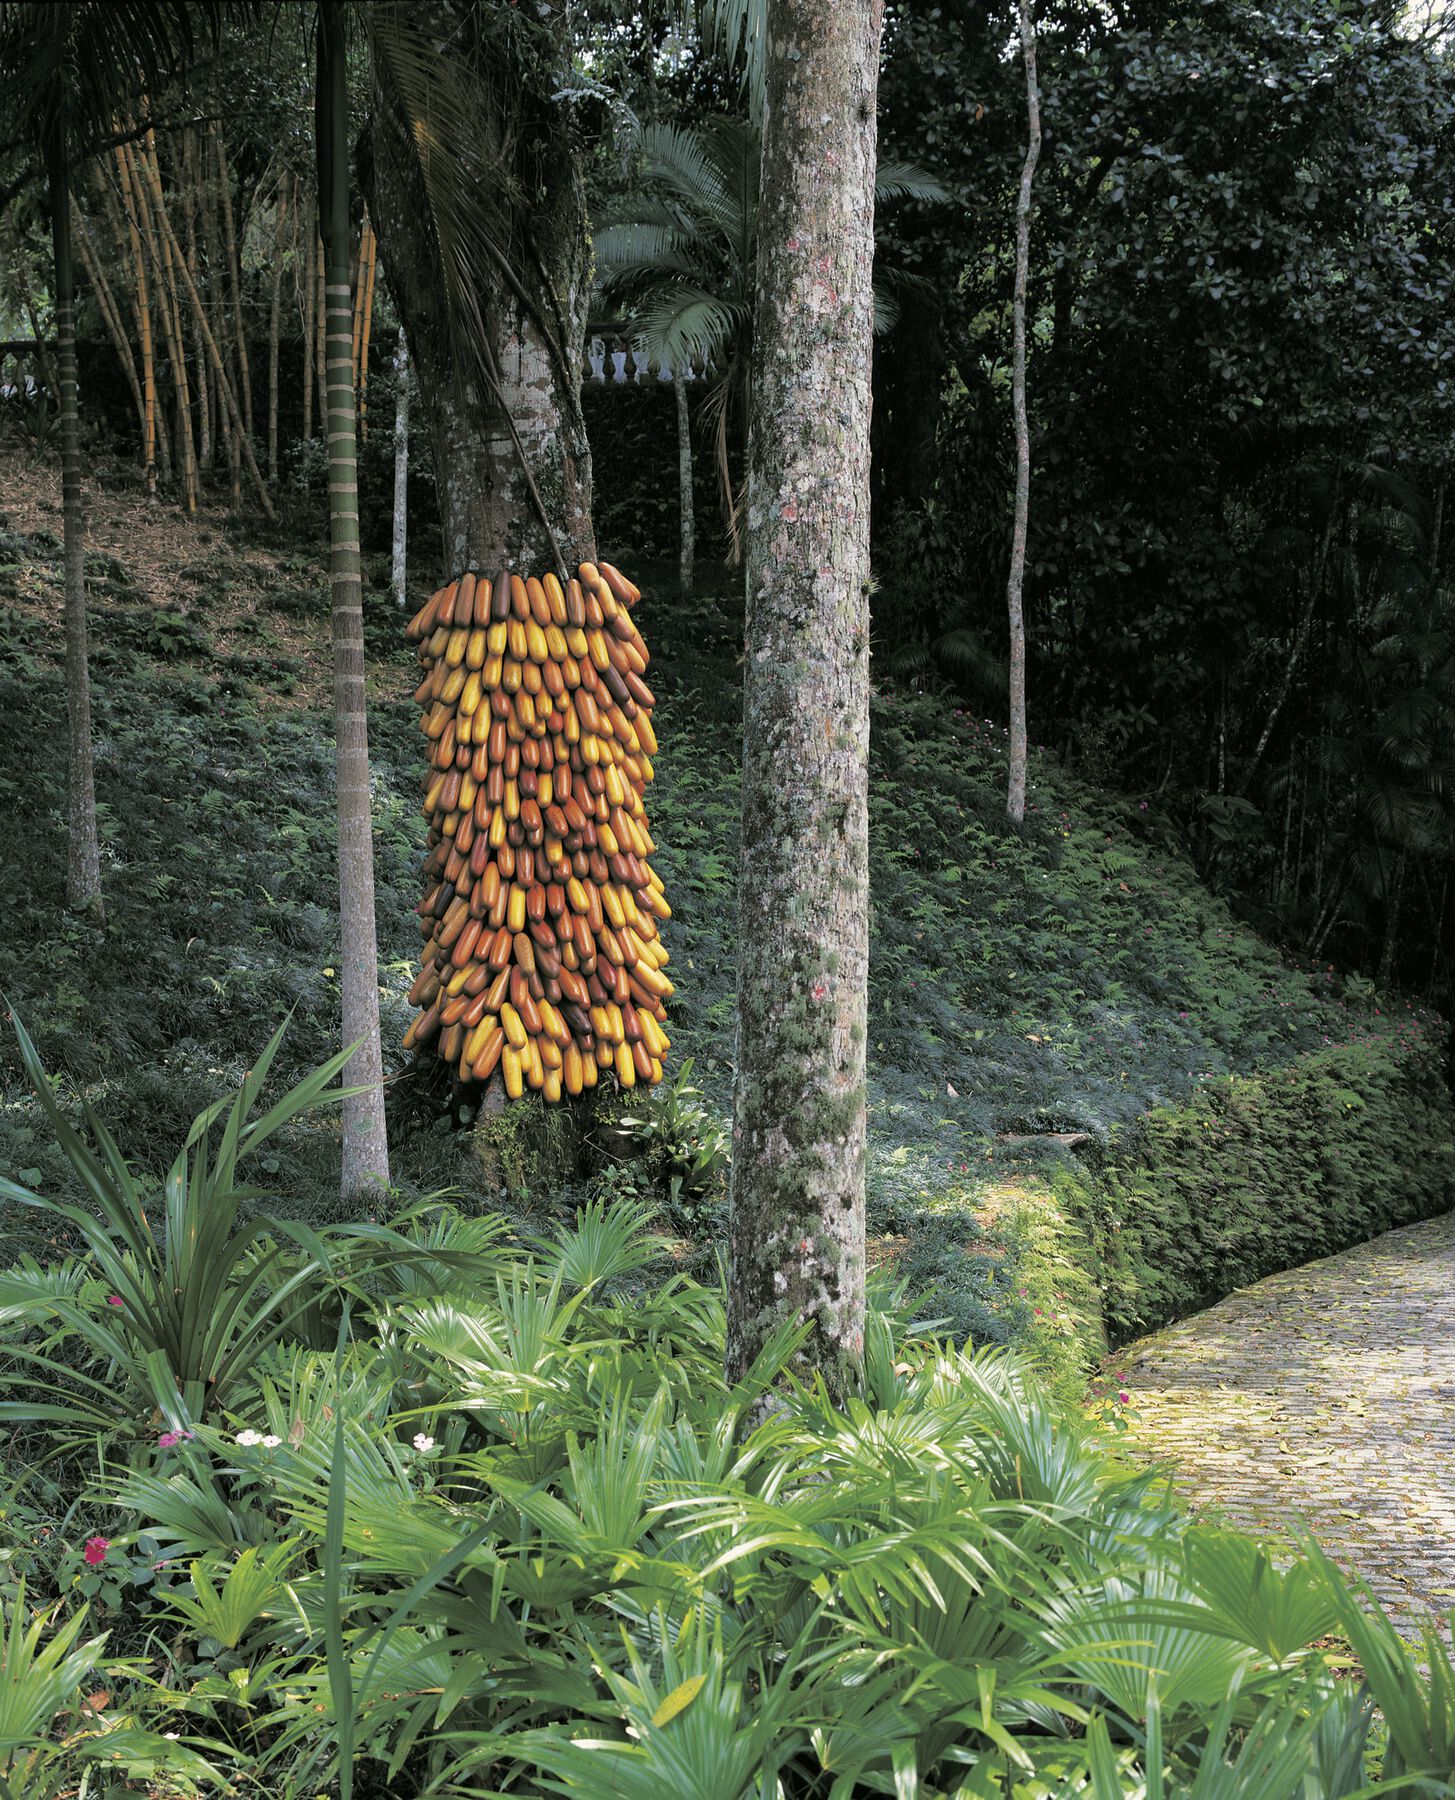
x=1065, y=981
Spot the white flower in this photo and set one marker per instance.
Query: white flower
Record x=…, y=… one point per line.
x=248, y=1438
x=270, y=1442
x=423, y=1443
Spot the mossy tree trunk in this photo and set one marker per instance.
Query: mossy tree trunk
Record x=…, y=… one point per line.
x=797, y=1219
x=365, y=1146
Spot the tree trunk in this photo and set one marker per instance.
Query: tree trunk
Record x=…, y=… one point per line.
x=128, y=239
x=688, y=538
x=135, y=188
x=308, y=284
x=83, y=854
x=493, y=443
x=1016, y=789
x=234, y=279
x=401, y=466
x=274, y=326
x=320, y=326
x=369, y=252
x=365, y=1147
x=191, y=204
x=116, y=330
x=797, y=1211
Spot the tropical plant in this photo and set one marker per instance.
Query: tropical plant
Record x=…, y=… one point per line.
x=678, y=255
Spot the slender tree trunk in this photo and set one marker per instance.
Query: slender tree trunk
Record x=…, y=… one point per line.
x=274, y=325
x=1016, y=791
x=401, y=465
x=688, y=538
x=191, y=204
x=234, y=277
x=796, y=1226
x=320, y=326
x=83, y=853
x=308, y=275
x=365, y=1145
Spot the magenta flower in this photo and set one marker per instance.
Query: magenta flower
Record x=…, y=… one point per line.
x=167, y=1439
x=95, y=1551
x=114, y=1300
x=1124, y=1397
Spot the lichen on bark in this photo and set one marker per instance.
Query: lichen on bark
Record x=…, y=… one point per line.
x=797, y=1223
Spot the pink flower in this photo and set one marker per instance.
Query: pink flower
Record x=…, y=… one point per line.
x=1124, y=1397
x=114, y=1300
x=167, y=1439
x=95, y=1551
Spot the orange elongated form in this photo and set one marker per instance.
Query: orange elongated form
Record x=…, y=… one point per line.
x=541, y=967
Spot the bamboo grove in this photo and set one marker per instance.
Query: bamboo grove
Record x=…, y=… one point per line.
x=185, y=265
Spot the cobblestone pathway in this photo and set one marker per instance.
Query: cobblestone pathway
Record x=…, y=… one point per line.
x=1325, y=1395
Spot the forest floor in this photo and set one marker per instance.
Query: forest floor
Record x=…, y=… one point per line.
x=1323, y=1398
x=1023, y=986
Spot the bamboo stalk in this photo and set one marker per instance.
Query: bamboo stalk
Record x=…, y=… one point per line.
x=224, y=386
x=234, y=272
x=273, y=325
x=356, y=279
x=130, y=161
x=157, y=445
x=320, y=353
x=115, y=330
x=190, y=208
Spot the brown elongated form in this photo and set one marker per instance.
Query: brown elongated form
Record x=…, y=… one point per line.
x=83, y=855
x=365, y=1150
x=307, y=300
x=191, y=205
x=549, y=932
x=275, y=321
x=155, y=446
x=214, y=356
x=366, y=325
x=234, y=280
x=796, y=1226
x=137, y=197
x=1016, y=785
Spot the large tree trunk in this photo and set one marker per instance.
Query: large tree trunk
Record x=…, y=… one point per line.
x=83, y=855
x=365, y=1146
x=505, y=494
x=1016, y=787
x=797, y=1219
x=401, y=467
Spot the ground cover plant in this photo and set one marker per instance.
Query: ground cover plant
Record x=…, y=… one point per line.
x=1066, y=980
x=489, y=1520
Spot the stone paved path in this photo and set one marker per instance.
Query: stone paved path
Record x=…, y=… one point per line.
x=1324, y=1395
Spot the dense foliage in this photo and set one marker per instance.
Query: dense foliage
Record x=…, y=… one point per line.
x=490, y=1520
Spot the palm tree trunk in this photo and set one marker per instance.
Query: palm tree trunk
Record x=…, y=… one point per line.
x=365, y=1146
x=1016, y=788
x=688, y=538
x=401, y=466
x=83, y=853
x=274, y=323
x=796, y=1224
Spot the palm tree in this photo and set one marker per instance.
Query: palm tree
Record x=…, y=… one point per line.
x=365, y=1158
x=679, y=255
x=70, y=68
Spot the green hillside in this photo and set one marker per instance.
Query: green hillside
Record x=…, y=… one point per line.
x=1064, y=982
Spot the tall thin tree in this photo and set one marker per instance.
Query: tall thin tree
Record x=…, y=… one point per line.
x=797, y=1219
x=365, y=1144
x=1015, y=586
x=401, y=467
